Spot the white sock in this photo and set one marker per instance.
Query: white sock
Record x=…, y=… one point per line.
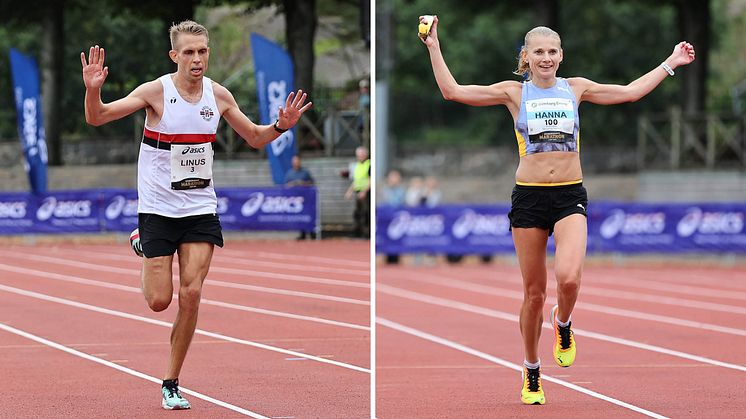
x=564, y=324
x=530, y=365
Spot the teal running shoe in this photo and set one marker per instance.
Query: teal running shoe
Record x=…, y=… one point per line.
x=172, y=399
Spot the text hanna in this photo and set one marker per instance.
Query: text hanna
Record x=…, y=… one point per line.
x=551, y=114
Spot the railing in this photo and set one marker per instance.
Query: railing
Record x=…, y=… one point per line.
x=692, y=141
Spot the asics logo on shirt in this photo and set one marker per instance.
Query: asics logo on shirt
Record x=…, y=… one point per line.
x=193, y=150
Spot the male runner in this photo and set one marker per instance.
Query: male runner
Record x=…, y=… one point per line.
x=177, y=206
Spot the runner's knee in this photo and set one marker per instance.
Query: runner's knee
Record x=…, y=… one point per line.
x=534, y=300
x=568, y=281
x=189, y=297
x=158, y=302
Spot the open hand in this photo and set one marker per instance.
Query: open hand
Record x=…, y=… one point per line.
x=294, y=108
x=94, y=72
x=683, y=54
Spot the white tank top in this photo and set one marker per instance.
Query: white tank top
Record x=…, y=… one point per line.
x=186, y=128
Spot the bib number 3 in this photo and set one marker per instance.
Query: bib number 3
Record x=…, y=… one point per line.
x=191, y=166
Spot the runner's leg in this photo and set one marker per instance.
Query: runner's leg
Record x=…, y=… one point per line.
x=156, y=281
x=531, y=248
x=194, y=263
x=570, y=237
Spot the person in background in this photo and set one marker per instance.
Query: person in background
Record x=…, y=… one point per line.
x=415, y=192
x=431, y=194
x=297, y=175
x=393, y=194
x=360, y=189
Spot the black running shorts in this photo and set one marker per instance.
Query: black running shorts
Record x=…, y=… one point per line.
x=543, y=206
x=161, y=236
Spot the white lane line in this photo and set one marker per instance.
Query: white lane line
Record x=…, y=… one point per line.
x=282, y=257
x=289, y=277
x=679, y=289
x=424, y=298
x=292, y=266
x=507, y=293
x=241, y=272
x=110, y=285
x=296, y=257
x=130, y=316
x=288, y=292
x=224, y=284
x=487, y=357
x=126, y=370
x=604, y=292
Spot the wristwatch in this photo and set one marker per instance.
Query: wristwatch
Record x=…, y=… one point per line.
x=278, y=129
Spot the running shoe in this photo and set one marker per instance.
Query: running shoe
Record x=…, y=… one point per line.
x=172, y=399
x=564, y=342
x=532, y=393
x=135, y=242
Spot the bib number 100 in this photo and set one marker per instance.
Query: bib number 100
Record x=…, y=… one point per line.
x=552, y=122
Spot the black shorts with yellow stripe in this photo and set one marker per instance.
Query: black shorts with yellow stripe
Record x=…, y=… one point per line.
x=542, y=206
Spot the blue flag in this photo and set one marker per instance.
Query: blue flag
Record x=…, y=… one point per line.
x=274, y=73
x=30, y=123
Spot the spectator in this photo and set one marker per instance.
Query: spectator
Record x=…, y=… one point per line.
x=360, y=189
x=431, y=193
x=415, y=192
x=393, y=191
x=298, y=176
x=394, y=194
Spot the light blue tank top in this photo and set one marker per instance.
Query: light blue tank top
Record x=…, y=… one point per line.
x=548, y=119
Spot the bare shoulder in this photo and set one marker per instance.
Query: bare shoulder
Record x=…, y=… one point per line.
x=580, y=86
x=221, y=93
x=223, y=97
x=579, y=82
x=511, y=85
x=150, y=87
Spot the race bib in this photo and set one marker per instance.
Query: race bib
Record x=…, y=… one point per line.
x=550, y=120
x=191, y=166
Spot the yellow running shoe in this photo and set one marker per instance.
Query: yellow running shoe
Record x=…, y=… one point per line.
x=532, y=393
x=564, y=342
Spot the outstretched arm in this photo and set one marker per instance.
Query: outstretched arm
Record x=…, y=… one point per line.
x=495, y=94
x=610, y=94
x=94, y=74
x=259, y=135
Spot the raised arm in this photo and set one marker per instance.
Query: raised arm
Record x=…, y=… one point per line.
x=475, y=95
x=259, y=135
x=94, y=74
x=610, y=94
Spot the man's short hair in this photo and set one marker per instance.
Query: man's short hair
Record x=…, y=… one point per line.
x=189, y=27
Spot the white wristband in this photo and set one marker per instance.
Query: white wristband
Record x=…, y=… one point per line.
x=668, y=68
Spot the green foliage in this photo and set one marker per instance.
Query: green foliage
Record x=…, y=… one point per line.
x=727, y=60
x=26, y=42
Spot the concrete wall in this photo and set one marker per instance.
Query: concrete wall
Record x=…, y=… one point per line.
x=488, y=175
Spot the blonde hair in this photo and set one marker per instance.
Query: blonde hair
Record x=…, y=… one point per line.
x=189, y=27
x=523, y=67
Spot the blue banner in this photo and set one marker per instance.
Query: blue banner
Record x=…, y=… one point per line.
x=612, y=227
x=269, y=208
x=107, y=210
x=58, y=212
x=274, y=74
x=30, y=122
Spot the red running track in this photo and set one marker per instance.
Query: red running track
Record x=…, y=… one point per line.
x=661, y=341
x=283, y=333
